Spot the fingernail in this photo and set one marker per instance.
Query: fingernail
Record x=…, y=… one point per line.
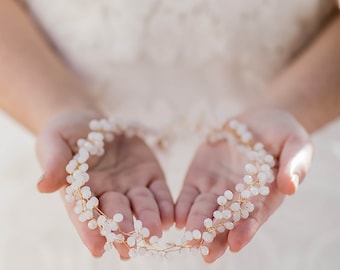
x=41, y=178
x=296, y=181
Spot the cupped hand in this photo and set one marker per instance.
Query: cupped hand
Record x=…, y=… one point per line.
x=127, y=179
x=217, y=167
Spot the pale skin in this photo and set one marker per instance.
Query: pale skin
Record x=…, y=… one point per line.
x=40, y=91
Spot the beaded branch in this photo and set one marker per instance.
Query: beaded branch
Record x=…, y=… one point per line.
x=232, y=206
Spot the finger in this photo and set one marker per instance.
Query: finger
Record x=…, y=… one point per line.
x=53, y=154
x=145, y=209
x=184, y=203
x=245, y=230
x=217, y=248
x=112, y=203
x=91, y=238
x=164, y=201
x=295, y=161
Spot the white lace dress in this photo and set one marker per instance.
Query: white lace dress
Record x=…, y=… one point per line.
x=161, y=61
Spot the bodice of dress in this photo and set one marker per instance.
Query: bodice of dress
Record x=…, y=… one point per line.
x=179, y=49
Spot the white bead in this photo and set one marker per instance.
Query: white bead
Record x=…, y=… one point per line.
x=246, y=137
x=84, y=167
x=245, y=194
x=239, y=187
x=138, y=225
x=254, y=191
x=133, y=253
x=235, y=206
x=207, y=237
x=250, y=169
x=69, y=198
x=71, y=166
x=92, y=203
x=261, y=177
x=107, y=246
x=145, y=232
x=221, y=200
x=208, y=222
x=258, y=146
x=70, y=179
x=226, y=214
x=82, y=217
x=153, y=240
x=86, y=192
x=118, y=217
x=264, y=190
x=78, y=209
x=249, y=207
x=265, y=168
x=101, y=220
x=131, y=241
x=237, y=216
x=204, y=250
x=217, y=214
x=94, y=125
x=269, y=159
x=88, y=214
x=233, y=124
x=248, y=179
x=220, y=229
x=244, y=214
x=229, y=195
x=196, y=234
x=81, y=142
x=229, y=225
x=92, y=224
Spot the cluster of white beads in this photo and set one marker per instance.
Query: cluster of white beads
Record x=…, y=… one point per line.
x=232, y=207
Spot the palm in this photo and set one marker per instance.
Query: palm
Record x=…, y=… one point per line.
x=126, y=179
x=218, y=167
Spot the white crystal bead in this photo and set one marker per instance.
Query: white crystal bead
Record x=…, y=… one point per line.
x=131, y=241
x=145, y=232
x=258, y=146
x=86, y=192
x=229, y=195
x=245, y=194
x=237, y=216
x=71, y=166
x=196, y=234
x=254, y=191
x=118, y=217
x=138, y=225
x=78, y=209
x=261, y=177
x=218, y=214
x=94, y=125
x=84, y=167
x=108, y=246
x=70, y=179
x=235, y=206
x=249, y=207
x=92, y=224
x=251, y=169
x=154, y=240
x=239, y=187
x=92, y=203
x=220, y=229
x=244, y=213
x=208, y=222
x=264, y=190
x=207, y=237
x=221, y=200
x=204, y=250
x=229, y=225
x=248, y=179
x=265, y=168
x=133, y=253
x=226, y=214
x=101, y=220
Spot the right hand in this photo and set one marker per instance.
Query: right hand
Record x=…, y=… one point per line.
x=127, y=179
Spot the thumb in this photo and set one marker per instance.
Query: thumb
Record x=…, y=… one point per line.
x=294, y=163
x=54, y=154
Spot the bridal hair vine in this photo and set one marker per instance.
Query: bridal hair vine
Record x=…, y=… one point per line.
x=233, y=206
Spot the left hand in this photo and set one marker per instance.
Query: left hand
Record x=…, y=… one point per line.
x=218, y=167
